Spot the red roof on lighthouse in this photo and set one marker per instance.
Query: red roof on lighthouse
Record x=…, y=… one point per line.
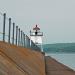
x=36, y=28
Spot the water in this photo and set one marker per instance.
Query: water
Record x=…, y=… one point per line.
x=67, y=59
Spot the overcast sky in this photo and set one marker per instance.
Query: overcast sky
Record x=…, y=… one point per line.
x=56, y=18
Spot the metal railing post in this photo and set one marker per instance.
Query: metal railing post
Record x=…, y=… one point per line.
x=9, y=30
x=13, y=33
x=24, y=40
x=19, y=37
x=16, y=34
x=29, y=41
x=4, y=21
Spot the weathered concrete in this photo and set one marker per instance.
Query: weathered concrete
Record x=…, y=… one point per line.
x=23, y=61
x=20, y=61
x=55, y=68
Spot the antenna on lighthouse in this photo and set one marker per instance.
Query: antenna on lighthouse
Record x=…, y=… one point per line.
x=36, y=37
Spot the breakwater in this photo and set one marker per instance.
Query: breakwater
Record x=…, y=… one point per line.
x=16, y=60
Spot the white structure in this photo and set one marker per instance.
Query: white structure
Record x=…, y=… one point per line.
x=36, y=36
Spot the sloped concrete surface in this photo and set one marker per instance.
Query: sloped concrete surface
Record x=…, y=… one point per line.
x=23, y=61
x=20, y=61
x=55, y=68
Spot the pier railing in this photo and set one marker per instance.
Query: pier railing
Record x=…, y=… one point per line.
x=11, y=33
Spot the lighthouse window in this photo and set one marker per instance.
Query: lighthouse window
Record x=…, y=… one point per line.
x=36, y=33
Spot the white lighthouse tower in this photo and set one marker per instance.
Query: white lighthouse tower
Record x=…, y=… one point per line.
x=36, y=37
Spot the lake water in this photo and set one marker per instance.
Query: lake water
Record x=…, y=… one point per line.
x=66, y=58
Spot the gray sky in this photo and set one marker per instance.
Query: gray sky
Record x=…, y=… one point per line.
x=56, y=18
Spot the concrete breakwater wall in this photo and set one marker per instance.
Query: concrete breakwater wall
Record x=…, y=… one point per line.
x=16, y=60
x=20, y=61
x=53, y=67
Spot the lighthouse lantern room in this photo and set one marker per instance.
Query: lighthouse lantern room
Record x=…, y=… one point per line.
x=36, y=36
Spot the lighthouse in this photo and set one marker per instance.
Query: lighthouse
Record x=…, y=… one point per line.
x=36, y=36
